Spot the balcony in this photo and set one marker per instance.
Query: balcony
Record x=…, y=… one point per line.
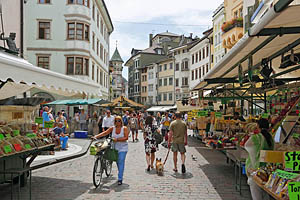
x=232, y=32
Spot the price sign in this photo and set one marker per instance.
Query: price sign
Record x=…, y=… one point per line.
x=294, y=190
x=17, y=147
x=265, y=115
x=49, y=124
x=7, y=149
x=1, y=137
x=27, y=146
x=31, y=135
x=218, y=114
x=292, y=161
x=286, y=175
x=38, y=120
x=16, y=132
x=203, y=113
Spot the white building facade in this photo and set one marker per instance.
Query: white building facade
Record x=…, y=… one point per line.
x=200, y=61
x=181, y=66
x=73, y=41
x=152, y=84
x=218, y=20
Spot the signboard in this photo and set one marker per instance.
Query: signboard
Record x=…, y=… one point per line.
x=16, y=132
x=1, y=137
x=292, y=161
x=49, y=124
x=38, y=120
x=294, y=190
x=203, y=113
x=286, y=175
x=17, y=115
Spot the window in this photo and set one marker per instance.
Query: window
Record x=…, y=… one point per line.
x=97, y=18
x=101, y=51
x=87, y=32
x=192, y=75
x=159, y=97
x=177, y=67
x=203, y=70
x=77, y=66
x=93, y=42
x=185, y=81
x=93, y=11
x=196, y=58
x=102, y=26
x=171, y=65
x=44, y=30
x=193, y=59
x=203, y=53
x=200, y=72
x=171, y=81
x=150, y=88
x=206, y=68
x=207, y=51
x=43, y=61
x=159, y=68
x=137, y=63
x=165, y=81
x=98, y=47
x=200, y=55
x=44, y=1
x=160, y=82
x=151, y=75
x=170, y=97
x=177, y=82
x=78, y=31
x=93, y=71
x=97, y=74
x=80, y=2
x=196, y=74
x=101, y=77
x=150, y=99
x=184, y=65
x=165, y=96
x=165, y=67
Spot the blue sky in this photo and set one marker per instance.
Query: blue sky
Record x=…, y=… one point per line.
x=128, y=17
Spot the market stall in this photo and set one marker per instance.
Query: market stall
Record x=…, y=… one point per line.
x=122, y=103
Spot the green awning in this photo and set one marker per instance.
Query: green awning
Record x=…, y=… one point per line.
x=77, y=102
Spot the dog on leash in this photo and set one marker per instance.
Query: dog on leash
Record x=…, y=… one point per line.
x=159, y=166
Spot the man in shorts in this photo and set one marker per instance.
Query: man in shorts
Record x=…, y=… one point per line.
x=178, y=137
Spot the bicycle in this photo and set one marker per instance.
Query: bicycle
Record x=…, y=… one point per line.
x=101, y=164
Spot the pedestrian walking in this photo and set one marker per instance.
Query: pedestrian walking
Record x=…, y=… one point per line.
x=120, y=136
x=83, y=117
x=134, y=127
x=61, y=119
x=149, y=141
x=100, y=121
x=178, y=138
x=108, y=121
x=126, y=120
x=166, y=121
x=158, y=117
x=95, y=126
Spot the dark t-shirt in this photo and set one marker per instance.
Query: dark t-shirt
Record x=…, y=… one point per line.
x=57, y=131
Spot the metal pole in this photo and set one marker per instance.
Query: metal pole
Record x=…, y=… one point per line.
x=2, y=24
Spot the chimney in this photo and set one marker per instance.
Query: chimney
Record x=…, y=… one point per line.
x=150, y=39
x=191, y=35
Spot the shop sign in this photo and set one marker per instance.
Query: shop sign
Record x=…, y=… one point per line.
x=292, y=161
x=49, y=124
x=286, y=175
x=294, y=190
x=38, y=120
x=218, y=114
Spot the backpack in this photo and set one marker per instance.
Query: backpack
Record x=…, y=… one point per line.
x=125, y=120
x=158, y=137
x=133, y=123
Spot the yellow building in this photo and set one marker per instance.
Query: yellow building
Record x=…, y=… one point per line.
x=166, y=82
x=233, y=27
x=144, y=85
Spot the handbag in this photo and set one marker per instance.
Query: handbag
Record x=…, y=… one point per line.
x=158, y=137
x=111, y=154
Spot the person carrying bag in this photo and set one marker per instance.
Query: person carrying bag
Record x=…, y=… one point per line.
x=119, y=136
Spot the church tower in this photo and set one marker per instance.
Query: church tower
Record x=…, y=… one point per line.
x=116, y=65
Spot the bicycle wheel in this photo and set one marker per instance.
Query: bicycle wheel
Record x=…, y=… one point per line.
x=108, y=167
x=97, y=172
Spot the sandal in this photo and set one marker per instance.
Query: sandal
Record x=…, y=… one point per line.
x=148, y=169
x=175, y=170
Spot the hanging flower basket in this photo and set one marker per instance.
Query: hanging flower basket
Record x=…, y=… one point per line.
x=235, y=22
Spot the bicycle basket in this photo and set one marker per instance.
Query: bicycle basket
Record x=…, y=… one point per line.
x=111, y=154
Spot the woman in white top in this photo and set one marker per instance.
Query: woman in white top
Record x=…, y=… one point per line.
x=120, y=137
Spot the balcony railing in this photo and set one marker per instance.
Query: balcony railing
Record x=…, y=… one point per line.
x=236, y=22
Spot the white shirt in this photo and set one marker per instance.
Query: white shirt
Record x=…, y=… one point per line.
x=108, y=122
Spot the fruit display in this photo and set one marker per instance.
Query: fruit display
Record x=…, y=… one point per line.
x=6, y=147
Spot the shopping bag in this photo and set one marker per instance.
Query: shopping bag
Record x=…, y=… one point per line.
x=111, y=154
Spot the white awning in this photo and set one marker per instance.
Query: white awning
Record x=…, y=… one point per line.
x=155, y=109
x=21, y=71
x=271, y=19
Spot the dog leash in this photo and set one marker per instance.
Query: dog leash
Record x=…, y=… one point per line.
x=167, y=156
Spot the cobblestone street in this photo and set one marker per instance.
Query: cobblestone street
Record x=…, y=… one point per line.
x=208, y=177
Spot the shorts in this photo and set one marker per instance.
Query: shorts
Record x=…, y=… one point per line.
x=164, y=132
x=178, y=147
x=134, y=130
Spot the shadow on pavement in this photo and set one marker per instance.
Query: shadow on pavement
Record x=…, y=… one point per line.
x=219, y=173
x=46, y=185
x=187, y=175
x=109, y=184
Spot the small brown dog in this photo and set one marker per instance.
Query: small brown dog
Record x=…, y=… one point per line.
x=159, y=166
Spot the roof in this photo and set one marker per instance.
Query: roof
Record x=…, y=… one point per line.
x=168, y=34
x=77, y=102
x=116, y=56
x=108, y=16
x=122, y=99
x=151, y=49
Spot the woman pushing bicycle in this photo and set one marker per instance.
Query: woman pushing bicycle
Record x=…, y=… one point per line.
x=119, y=136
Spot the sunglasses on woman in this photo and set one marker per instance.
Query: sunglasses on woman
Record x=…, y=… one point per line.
x=118, y=121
